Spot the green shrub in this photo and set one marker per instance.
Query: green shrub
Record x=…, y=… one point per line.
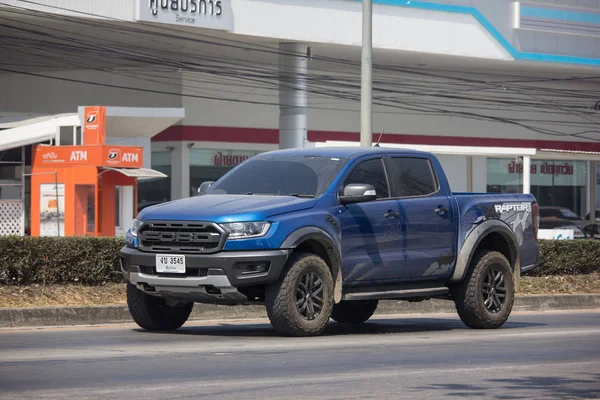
x=47, y=260
x=94, y=261
x=568, y=257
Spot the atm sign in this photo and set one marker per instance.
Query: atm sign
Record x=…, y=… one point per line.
x=122, y=156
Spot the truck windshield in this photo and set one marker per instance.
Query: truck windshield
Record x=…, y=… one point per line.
x=280, y=175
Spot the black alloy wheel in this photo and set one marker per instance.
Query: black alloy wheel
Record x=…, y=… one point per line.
x=300, y=302
x=309, y=296
x=494, y=290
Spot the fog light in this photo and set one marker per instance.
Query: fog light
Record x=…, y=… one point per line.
x=254, y=268
x=210, y=289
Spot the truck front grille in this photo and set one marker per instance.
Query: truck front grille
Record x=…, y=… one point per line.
x=181, y=237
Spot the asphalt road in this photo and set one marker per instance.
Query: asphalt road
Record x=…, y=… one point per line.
x=536, y=355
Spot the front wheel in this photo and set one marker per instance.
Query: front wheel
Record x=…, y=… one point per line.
x=153, y=313
x=300, y=302
x=485, y=298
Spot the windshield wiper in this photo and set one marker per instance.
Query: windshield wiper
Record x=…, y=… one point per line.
x=307, y=196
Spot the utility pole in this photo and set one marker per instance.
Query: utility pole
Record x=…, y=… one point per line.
x=366, y=88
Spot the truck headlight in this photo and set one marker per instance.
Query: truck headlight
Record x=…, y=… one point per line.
x=246, y=230
x=136, y=224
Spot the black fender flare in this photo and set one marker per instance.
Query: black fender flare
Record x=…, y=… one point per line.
x=472, y=242
x=301, y=235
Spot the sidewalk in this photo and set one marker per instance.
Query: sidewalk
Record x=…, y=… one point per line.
x=64, y=316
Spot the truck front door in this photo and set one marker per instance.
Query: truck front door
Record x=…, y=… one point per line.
x=370, y=230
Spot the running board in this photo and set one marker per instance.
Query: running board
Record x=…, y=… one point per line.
x=396, y=294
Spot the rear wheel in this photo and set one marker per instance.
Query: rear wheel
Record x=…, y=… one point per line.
x=300, y=302
x=354, y=312
x=153, y=313
x=484, y=300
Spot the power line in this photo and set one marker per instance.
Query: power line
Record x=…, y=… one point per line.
x=438, y=97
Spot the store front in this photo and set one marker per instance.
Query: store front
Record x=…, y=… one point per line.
x=554, y=183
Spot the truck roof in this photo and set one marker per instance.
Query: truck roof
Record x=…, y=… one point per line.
x=344, y=152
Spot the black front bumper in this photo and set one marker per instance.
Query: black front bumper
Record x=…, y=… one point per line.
x=236, y=267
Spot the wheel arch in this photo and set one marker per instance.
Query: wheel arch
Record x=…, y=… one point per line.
x=490, y=235
x=317, y=241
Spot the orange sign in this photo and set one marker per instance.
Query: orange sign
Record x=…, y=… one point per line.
x=94, y=126
x=101, y=156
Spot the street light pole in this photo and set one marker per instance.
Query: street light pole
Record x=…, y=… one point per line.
x=366, y=95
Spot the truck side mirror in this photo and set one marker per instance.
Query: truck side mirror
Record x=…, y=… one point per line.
x=204, y=187
x=358, y=193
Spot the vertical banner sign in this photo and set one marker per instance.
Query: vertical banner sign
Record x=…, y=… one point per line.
x=94, y=125
x=51, y=208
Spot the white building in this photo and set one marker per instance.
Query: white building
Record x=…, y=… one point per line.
x=252, y=75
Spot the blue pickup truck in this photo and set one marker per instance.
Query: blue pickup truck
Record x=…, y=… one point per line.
x=325, y=233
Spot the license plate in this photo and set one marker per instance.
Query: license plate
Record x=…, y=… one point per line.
x=170, y=264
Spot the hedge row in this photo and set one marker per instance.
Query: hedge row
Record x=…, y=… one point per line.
x=568, y=257
x=46, y=260
x=94, y=261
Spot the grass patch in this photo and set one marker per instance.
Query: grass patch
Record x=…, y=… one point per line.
x=31, y=296
x=561, y=284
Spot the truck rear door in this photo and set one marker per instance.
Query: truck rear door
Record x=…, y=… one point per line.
x=427, y=217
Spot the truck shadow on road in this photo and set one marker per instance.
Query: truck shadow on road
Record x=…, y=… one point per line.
x=375, y=326
x=555, y=387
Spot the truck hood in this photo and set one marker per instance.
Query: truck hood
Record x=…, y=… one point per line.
x=226, y=208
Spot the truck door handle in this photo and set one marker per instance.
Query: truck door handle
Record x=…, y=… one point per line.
x=441, y=210
x=391, y=214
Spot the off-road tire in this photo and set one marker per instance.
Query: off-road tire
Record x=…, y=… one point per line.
x=354, y=312
x=153, y=314
x=281, y=296
x=469, y=297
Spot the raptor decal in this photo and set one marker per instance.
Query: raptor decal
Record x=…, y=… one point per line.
x=516, y=215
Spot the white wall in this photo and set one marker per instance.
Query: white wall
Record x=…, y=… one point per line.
x=117, y=9
x=330, y=21
x=340, y=22
x=455, y=168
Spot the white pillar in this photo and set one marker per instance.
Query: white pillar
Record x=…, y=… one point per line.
x=527, y=174
x=180, y=171
x=366, y=87
x=292, y=95
x=479, y=174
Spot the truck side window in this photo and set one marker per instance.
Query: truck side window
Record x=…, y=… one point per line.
x=372, y=173
x=413, y=177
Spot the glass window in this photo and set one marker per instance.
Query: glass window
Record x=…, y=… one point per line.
x=558, y=212
x=156, y=190
x=10, y=192
x=414, y=177
x=66, y=136
x=280, y=175
x=370, y=172
x=557, y=184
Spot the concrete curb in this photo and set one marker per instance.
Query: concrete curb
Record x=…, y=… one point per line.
x=64, y=316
